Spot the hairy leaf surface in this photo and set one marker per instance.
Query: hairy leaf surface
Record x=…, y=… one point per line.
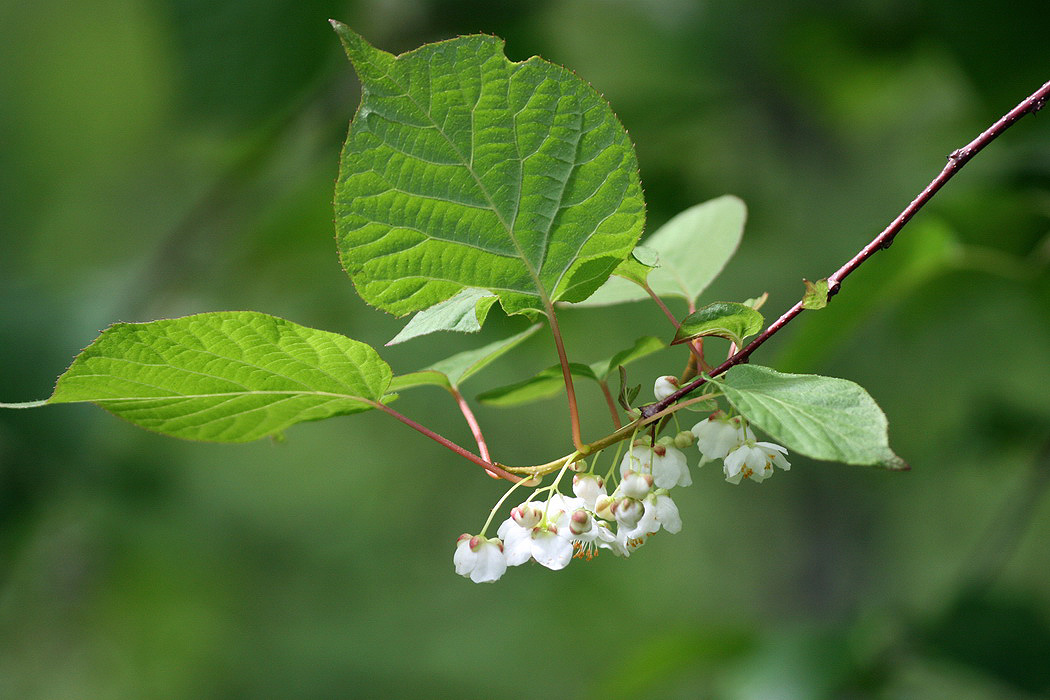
x=463, y=169
x=230, y=376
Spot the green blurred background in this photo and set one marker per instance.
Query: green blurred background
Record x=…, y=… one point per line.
x=166, y=157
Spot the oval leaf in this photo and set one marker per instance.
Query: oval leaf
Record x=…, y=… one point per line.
x=693, y=247
x=545, y=384
x=231, y=376
x=453, y=371
x=725, y=319
x=463, y=169
x=820, y=417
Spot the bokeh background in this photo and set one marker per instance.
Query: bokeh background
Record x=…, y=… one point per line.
x=166, y=157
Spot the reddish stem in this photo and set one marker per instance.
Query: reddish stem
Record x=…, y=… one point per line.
x=958, y=158
x=466, y=454
x=475, y=429
x=570, y=390
x=611, y=404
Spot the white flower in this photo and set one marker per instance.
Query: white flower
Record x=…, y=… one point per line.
x=479, y=558
x=588, y=534
x=635, y=485
x=543, y=541
x=755, y=461
x=588, y=487
x=664, y=387
x=666, y=463
x=717, y=436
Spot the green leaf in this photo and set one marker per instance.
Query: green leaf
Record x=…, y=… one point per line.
x=464, y=312
x=463, y=169
x=725, y=319
x=453, y=371
x=820, y=417
x=638, y=265
x=545, y=384
x=644, y=346
x=231, y=376
x=693, y=247
x=816, y=296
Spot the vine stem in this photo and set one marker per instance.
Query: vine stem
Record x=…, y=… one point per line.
x=444, y=441
x=956, y=160
x=697, y=353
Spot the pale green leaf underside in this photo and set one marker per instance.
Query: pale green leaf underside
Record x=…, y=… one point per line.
x=231, y=376
x=693, y=247
x=454, y=370
x=464, y=313
x=820, y=417
x=550, y=381
x=540, y=386
x=463, y=169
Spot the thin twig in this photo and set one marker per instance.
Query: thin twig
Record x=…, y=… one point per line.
x=611, y=404
x=444, y=441
x=956, y=160
x=566, y=373
x=475, y=428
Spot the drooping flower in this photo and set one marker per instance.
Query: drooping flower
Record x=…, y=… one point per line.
x=588, y=487
x=664, y=387
x=479, y=558
x=542, y=540
x=665, y=463
x=719, y=435
x=755, y=461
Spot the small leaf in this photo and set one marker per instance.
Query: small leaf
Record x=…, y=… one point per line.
x=463, y=169
x=453, y=371
x=757, y=303
x=816, y=296
x=543, y=385
x=638, y=265
x=644, y=346
x=231, y=376
x=820, y=417
x=626, y=396
x=725, y=319
x=464, y=313
x=693, y=247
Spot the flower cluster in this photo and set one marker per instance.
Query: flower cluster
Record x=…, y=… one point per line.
x=554, y=531
x=731, y=440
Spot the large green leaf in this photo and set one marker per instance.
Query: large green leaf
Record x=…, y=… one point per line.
x=231, y=376
x=820, y=417
x=463, y=169
x=693, y=247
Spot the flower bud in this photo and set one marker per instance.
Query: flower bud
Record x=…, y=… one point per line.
x=684, y=439
x=604, y=507
x=580, y=522
x=628, y=512
x=636, y=485
x=588, y=487
x=527, y=515
x=664, y=387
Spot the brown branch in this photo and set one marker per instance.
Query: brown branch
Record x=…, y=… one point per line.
x=956, y=161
